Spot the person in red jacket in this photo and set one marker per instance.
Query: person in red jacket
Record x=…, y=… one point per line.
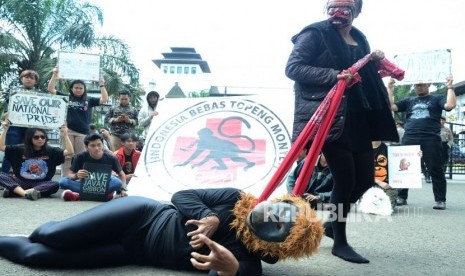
x=127, y=154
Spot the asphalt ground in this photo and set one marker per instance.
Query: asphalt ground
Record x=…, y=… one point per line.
x=415, y=240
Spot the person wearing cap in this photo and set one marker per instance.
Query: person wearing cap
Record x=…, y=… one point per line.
x=121, y=119
x=322, y=52
x=222, y=230
x=423, y=127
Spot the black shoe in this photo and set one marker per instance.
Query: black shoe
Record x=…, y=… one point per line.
x=440, y=205
x=400, y=201
x=6, y=193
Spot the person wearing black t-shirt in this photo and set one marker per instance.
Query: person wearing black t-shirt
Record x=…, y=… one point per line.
x=29, y=80
x=94, y=154
x=79, y=113
x=423, y=127
x=34, y=164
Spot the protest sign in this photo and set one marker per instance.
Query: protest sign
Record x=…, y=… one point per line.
x=96, y=186
x=32, y=109
x=77, y=66
x=425, y=67
x=404, y=166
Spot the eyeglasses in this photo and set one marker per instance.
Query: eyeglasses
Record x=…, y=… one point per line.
x=37, y=137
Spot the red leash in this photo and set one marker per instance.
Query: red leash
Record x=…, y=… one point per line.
x=319, y=125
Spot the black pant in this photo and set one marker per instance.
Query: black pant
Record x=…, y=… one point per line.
x=353, y=174
x=445, y=153
x=432, y=156
x=94, y=238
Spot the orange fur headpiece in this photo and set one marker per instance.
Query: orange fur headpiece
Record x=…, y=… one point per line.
x=303, y=240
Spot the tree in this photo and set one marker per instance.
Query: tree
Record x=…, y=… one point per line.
x=33, y=31
x=202, y=93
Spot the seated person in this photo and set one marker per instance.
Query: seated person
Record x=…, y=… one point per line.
x=292, y=176
x=382, y=172
x=140, y=143
x=320, y=184
x=94, y=154
x=221, y=230
x=127, y=155
x=106, y=139
x=34, y=164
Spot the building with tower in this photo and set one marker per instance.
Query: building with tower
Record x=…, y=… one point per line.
x=183, y=71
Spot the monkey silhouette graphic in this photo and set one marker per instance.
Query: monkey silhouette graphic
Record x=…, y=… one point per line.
x=219, y=149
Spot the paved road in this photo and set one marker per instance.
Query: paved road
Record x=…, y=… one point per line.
x=415, y=240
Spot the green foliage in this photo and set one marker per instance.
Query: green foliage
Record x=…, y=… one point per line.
x=33, y=31
x=139, y=130
x=203, y=93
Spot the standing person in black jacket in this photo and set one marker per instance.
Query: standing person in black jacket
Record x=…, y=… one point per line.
x=137, y=230
x=321, y=53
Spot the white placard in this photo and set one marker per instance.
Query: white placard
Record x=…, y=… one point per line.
x=41, y=110
x=404, y=166
x=77, y=66
x=425, y=67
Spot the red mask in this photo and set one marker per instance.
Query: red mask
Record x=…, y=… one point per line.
x=341, y=16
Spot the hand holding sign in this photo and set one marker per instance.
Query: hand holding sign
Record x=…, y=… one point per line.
x=64, y=130
x=82, y=174
x=55, y=71
x=31, y=109
x=5, y=124
x=449, y=81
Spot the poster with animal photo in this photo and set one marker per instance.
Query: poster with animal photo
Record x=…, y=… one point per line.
x=32, y=109
x=404, y=166
x=96, y=186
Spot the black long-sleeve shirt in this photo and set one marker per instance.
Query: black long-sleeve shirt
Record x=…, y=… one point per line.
x=169, y=234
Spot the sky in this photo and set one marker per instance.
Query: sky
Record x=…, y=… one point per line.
x=247, y=42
